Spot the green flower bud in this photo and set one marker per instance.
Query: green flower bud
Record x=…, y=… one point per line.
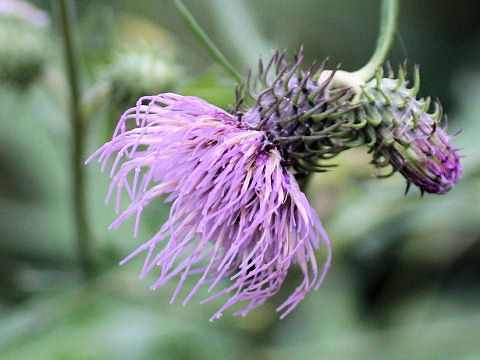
x=402, y=133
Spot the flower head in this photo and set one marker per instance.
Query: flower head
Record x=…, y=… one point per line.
x=237, y=213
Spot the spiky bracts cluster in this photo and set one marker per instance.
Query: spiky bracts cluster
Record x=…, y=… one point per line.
x=299, y=116
x=236, y=212
x=400, y=132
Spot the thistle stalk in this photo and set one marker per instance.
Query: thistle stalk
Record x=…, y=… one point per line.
x=205, y=40
x=66, y=21
x=388, y=28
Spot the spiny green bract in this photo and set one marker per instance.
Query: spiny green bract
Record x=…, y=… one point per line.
x=401, y=132
x=300, y=116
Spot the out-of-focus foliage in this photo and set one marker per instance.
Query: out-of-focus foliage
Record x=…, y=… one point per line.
x=405, y=280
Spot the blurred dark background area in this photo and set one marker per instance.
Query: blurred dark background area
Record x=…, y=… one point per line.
x=405, y=280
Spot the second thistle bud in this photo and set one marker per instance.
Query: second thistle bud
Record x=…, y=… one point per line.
x=308, y=120
x=401, y=132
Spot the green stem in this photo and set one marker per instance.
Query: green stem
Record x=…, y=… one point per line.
x=205, y=40
x=66, y=17
x=240, y=30
x=388, y=27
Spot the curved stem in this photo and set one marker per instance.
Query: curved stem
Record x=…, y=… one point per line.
x=388, y=27
x=65, y=12
x=205, y=40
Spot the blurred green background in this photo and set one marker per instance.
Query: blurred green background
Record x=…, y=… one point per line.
x=405, y=280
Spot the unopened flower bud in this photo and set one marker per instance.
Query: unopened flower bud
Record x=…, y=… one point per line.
x=401, y=132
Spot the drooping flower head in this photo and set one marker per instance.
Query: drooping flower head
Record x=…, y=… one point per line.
x=237, y=213
x=238, y=218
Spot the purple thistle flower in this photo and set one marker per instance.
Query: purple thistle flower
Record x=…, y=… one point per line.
x=237, y=212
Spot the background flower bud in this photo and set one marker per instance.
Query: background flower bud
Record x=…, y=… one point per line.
x=136, y=73
x=22, y=55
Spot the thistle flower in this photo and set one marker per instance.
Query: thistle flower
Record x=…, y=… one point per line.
x=237, y=211
x=400, y=132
